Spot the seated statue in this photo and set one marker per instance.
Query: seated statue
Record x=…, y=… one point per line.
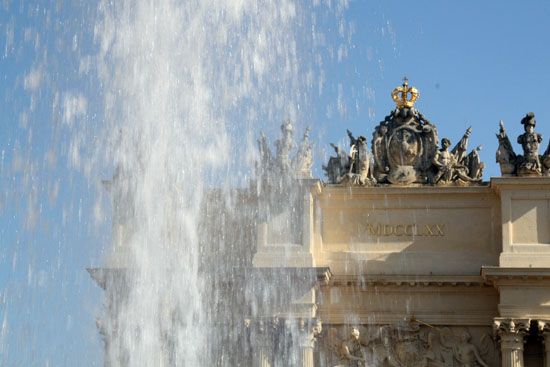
x=452, y=167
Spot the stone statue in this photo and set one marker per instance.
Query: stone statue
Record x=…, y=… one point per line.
x=359, y=172
x=304, y=157
x=475, y=165
x=354, y=168
x=265, y=162
x=455, y=165
x=352, y=350
x=271, y=170
x=466, y=353
x=546, y=161
x=278, y=184
x=265, y=152
x=284, y=147
x=379, y=144
x=505, y=155
x=444, y=162
x=336, y=166
x=528, y=164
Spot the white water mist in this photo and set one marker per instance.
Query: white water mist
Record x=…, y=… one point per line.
x=176, y=76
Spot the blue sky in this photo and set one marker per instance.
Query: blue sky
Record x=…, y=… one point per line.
x=474, y=63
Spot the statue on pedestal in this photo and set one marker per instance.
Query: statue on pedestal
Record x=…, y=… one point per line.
x=528, y=164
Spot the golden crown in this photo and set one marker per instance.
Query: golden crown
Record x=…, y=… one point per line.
x=405, y=96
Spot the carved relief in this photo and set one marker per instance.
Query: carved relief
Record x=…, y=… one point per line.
x=408, y=345
x=405, y=151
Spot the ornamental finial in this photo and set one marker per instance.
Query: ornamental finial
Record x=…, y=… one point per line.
x=405, y=96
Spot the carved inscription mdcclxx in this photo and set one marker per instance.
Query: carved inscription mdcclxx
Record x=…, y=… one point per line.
x=408, y=230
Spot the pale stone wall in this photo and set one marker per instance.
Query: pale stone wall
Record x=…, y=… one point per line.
x=417, y=231
x=453, y=258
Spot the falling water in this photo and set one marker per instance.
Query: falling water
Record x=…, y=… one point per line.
x=183, y=85
x=156, y=105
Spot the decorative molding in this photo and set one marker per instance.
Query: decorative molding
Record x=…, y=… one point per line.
x=512, y=276
x=404, y=280
x=463, y=318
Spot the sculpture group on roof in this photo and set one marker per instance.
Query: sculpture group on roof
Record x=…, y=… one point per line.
x=405, y=151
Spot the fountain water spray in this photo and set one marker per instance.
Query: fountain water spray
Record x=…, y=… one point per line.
x=183, y=84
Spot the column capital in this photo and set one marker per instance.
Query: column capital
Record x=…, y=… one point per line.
x=262, y=331
x=504, y=325
x=543, y=326
x=308, y=330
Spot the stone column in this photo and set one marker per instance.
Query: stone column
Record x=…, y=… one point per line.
x=511, y=333
x=544, y=329
x=307, y=338
x=262, y=344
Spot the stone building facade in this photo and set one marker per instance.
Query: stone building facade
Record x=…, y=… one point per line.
x=428, y=276
x=425, y=264
x=404, y=257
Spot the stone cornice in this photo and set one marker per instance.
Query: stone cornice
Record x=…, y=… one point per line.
x=498, y=275
x=413, y=189
x=473, y=318
x=407, y=280
x=498, y=183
